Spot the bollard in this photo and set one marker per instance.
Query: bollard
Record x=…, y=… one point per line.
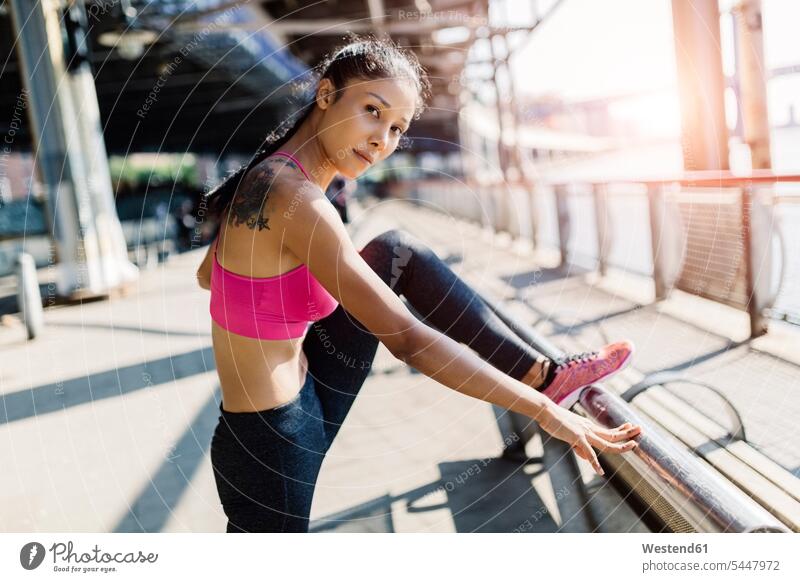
x=29, y=299
x=152, y=255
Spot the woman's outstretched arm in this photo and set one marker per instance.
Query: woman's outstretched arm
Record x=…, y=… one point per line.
x=310, y=228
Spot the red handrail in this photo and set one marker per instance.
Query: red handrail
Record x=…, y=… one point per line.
x=727, y=178
x=700, y=178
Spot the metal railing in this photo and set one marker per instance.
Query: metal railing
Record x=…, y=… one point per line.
x=713, y=234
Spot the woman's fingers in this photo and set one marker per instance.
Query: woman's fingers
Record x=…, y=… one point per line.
x=610, y=447
x=584, y=446
x=580, y=452
x=617, y=434
x=585, y=450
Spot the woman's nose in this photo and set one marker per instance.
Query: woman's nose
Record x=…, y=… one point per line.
x=379, y=142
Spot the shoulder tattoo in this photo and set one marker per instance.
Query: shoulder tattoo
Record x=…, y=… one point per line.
x=249, y=205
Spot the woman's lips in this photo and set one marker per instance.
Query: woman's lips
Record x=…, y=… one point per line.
x=362, y=157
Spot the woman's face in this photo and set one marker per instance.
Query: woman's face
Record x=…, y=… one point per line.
x=365, y=125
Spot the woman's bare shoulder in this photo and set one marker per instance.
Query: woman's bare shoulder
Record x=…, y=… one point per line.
x=268, y=188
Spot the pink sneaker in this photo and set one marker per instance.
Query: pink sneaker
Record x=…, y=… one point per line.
x=577, y=371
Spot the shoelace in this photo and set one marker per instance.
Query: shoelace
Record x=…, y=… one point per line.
x=562, y=363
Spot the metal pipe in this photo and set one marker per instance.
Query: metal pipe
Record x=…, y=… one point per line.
x=670, y=484
x=753, y=85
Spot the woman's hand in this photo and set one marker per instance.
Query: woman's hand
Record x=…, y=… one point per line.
x=582, y=434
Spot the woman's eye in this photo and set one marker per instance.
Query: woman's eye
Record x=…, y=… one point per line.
x=372, y=108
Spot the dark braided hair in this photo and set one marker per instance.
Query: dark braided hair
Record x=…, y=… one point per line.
x=360, y=57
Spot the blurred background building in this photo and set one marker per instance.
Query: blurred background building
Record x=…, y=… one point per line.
x=166, y=97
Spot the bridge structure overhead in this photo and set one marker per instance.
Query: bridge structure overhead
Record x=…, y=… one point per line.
x=217, y=76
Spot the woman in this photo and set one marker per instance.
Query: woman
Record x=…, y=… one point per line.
x=283, y=259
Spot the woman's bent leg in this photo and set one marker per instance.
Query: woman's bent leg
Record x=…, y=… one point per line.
x=340, y=350
x=340, y=353
x=446, y=301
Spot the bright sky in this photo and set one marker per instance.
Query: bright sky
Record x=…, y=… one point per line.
x=599, y=47
x=591, y=48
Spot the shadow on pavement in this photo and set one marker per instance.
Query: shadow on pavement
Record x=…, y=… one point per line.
x=131, y=328
x=526, y=279
x=482, y=495
x=152, y=508
x=107, y=384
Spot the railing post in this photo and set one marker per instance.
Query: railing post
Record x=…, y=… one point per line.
x=532, y=193
x=487, y=207
x=562, y=209
x=758, y=323
x=656, y=201
x=496, y=208
x=505, y=207
x=600, y=192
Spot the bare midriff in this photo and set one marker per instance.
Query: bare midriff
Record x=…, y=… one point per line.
x=257, y=374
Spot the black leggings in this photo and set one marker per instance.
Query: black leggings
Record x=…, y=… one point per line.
x=266, y=463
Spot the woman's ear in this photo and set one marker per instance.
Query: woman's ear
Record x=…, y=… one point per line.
x=325, y=93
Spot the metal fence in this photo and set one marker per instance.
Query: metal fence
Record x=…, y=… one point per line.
x=727, y=238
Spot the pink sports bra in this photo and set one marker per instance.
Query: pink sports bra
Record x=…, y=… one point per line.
x=270, y=308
